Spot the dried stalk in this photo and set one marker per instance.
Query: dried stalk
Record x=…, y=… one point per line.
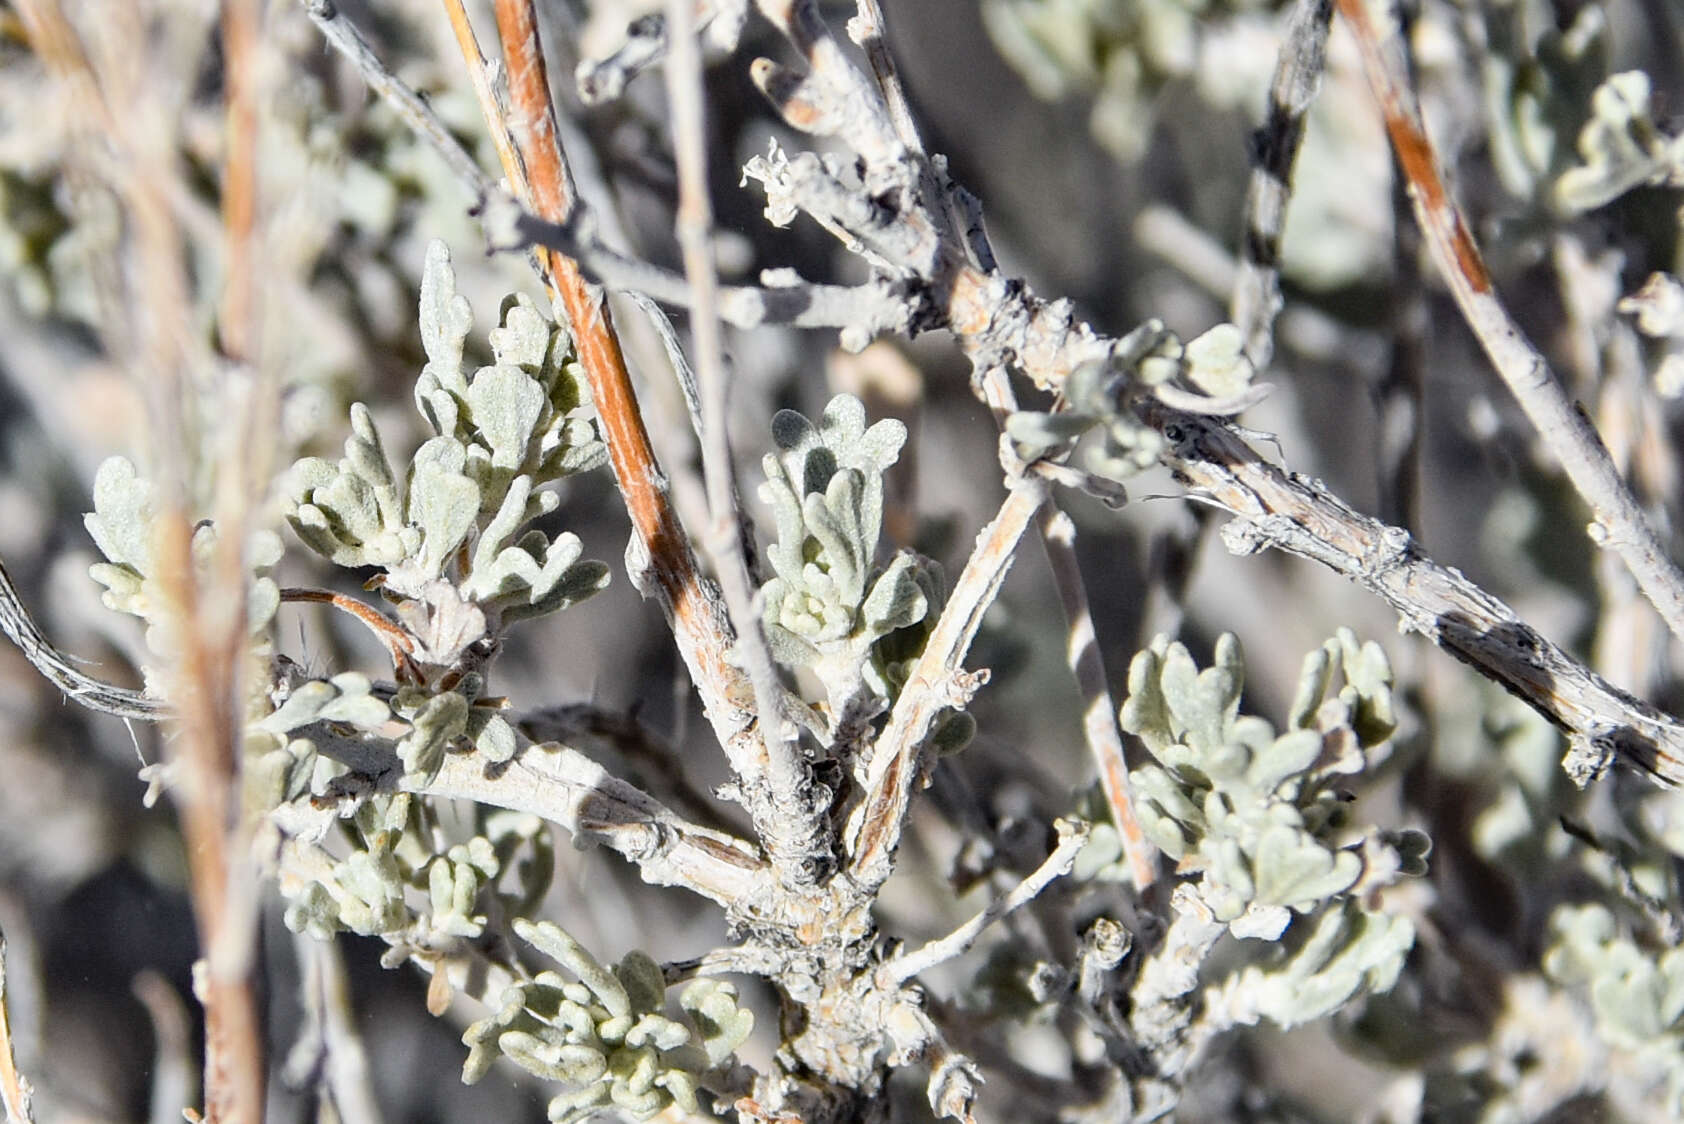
x=205, y=684
x=568, y=789
x=1071, y=838
x=1099, y=710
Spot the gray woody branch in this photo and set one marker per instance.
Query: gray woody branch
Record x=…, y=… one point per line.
x=563, y=786
x=1000, y=322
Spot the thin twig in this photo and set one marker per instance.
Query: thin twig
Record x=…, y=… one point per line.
x=61, y=669
x=798, y=839
x=1400, y=396
x=1619, y=523
x=605, y=79
x=175, y=1077
x=1278, y=508
x=1072, y=835
x=495, y=114
x=1099, y=710
x=340, y=1063
x=868, y=29
x=937, y=682
x=785, y=299
x=399, y=644
x=239, y=188
x=1298, y=70
x=650, y=755
x=343, y=34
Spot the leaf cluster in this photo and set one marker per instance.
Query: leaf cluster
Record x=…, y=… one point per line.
x=604, y=1031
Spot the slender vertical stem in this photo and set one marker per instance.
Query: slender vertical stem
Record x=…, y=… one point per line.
x=797, y=839
x=207, y=622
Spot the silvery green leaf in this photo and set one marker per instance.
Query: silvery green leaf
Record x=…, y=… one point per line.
x=1216, y=362
x=1091, y=389
x=123, y=588
x=1658, y=306
x=1261, y=922
x=570, y=447
x=657, y=1030
x=1368, y=678
x=1644, y=999
x=122, y=520
x=373, y=901
x=640, y=1104
x=567, y=1108
x=1145, y=713
x=721, y=1023
x=1315, y=676
x=1127, y=449
x=441, y=720
x=575, y=584
x=281, y=773
x=446, y=319
x=441, y=408
x=452, y=889
x=1287, y=756
x=1621, y=147
x=952, y=733
x=365, y=457
x=301, y=707
x=558, y=944
x=1293, y=869
x=1202, y=703
x=1146, y=339
x=308, y=474
x=828, y=518
x=571, y=1062
x=682, y=1086
x=496, y=740
x=313, y=911
x=645, y=986
x=442, y=501
x=510, y=514
x=1348, y=952
x=896, y=599
x=506, y=404
x=523, y=340
x=349, y=502
x=1040, y=433
x=788, y=648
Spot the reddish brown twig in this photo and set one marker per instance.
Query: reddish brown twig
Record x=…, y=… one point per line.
x=699, y=620
x=399, y=644
x=671, y=574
